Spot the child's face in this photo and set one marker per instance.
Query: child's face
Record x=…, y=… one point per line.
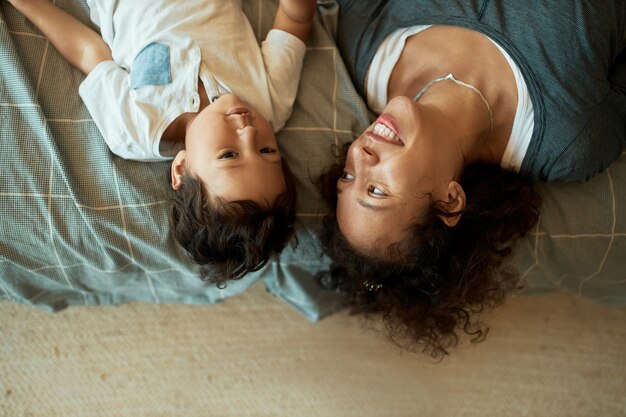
x=233, y=150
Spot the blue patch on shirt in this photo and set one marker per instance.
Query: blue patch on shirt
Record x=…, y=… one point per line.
x=151, y=66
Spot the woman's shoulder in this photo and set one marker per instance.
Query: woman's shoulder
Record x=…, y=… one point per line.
x=576, y=150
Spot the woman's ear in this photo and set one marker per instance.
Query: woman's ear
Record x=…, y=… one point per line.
x=455, y=204
x=177, y=171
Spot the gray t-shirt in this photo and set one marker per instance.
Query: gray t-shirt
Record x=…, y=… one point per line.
x=568, y=53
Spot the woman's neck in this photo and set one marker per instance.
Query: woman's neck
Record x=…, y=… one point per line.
x=464, y=117
x=472, y=58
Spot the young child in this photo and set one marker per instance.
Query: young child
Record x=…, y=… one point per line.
x=187, y=80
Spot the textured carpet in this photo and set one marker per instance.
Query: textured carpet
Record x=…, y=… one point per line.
x=252, y=355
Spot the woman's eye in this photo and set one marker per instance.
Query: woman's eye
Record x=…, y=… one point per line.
x=375, y=191
x=345, y=176
x=267, y=150
x=228, y=155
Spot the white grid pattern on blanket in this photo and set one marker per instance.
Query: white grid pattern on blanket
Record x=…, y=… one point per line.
x=347, y=117
x=57, y=196
x=610, y=236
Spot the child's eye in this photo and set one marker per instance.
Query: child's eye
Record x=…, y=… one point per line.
x=376, y=192
x=228, y=155
x=267, y=150
x=346, y=176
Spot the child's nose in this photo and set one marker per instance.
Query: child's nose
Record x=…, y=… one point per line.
x=247, y=133
x=242, y=120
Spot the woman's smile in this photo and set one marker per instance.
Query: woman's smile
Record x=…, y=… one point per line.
x=387, y=128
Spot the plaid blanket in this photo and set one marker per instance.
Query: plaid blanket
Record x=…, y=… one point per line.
x=80, y=226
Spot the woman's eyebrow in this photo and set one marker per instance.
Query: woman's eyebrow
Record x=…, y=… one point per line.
x=365, y=204
x=370, y=206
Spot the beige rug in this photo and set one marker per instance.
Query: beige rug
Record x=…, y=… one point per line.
x=253, y=355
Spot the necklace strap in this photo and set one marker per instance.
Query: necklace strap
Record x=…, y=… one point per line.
x=450, y=77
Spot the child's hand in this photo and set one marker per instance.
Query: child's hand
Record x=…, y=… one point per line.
x=80, y=45
x=295, y=17
x=21, y=3
x=301, y=11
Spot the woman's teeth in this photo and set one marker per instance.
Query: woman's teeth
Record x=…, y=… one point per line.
x=382, y=130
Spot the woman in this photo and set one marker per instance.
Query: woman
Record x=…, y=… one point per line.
x=475, y=100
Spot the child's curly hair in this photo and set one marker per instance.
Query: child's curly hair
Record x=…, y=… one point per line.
x=444, y=275
x=230, y=239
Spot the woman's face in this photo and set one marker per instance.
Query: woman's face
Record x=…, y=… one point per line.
x=393, y=172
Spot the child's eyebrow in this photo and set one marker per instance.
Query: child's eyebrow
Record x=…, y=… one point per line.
x=234, y=163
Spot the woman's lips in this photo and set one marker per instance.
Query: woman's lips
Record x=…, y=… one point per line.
x=389, y=121
x=386, y=130
x=382, y=139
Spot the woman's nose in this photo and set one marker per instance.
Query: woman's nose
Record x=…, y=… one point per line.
x=367, y=155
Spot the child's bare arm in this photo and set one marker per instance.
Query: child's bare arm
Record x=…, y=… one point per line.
x=295, y=17
x=77, y=43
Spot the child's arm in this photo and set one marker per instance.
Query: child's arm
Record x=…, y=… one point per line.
x=77, y=43
x=295, y=17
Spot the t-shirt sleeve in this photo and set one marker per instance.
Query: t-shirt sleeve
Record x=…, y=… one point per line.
x=283, y=54
x=126, y=127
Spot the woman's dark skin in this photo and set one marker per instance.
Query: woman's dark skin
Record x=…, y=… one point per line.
x=447, y=129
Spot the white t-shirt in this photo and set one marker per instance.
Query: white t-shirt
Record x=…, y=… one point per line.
x=385, y=60
x=161, y=48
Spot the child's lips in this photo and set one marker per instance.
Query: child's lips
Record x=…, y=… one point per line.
x=238, y=110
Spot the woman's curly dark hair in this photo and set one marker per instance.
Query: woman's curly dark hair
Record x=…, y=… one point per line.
x=446, y=275
x=230, y=239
